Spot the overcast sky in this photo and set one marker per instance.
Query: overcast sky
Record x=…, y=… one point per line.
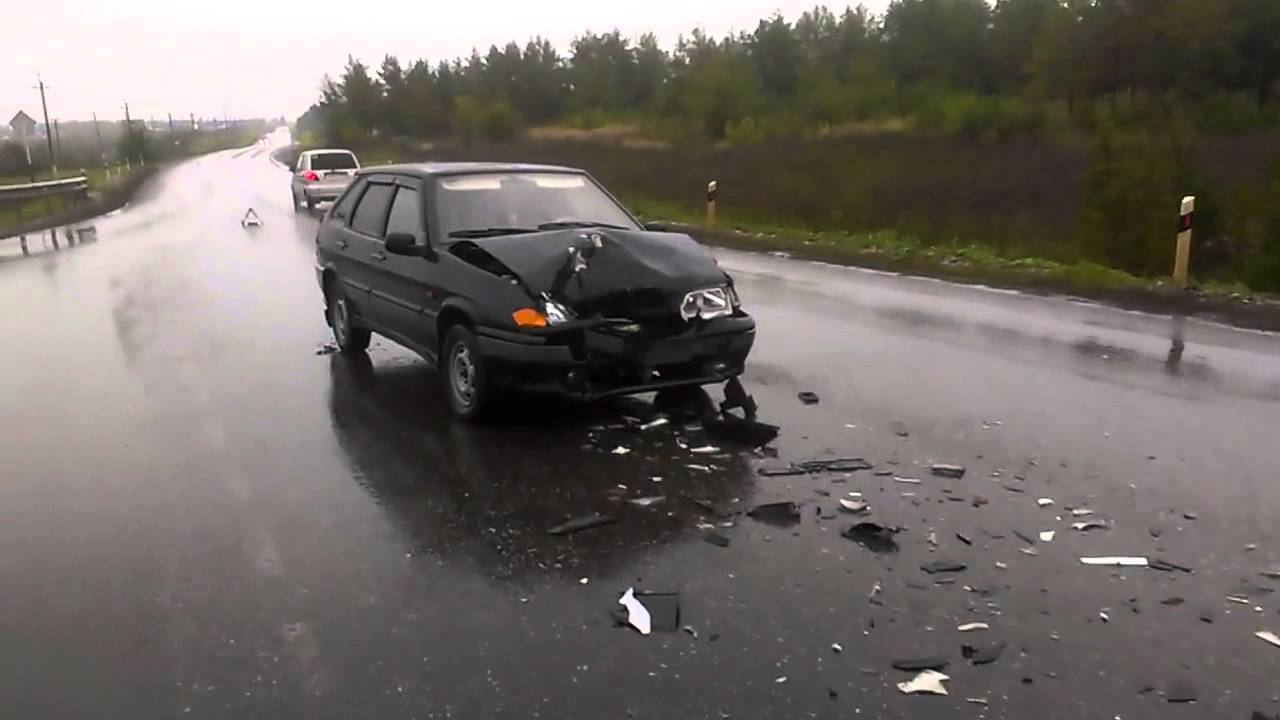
x=260, y=58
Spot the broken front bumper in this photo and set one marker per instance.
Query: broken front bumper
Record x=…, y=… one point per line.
x=613, y=358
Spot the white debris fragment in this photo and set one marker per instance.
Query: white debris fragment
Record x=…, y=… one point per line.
x=1088, y=525
x=932, y=538
x=1044, y=502
x=1105, y=617
x=693, y=632
x=970, y=627
x=1268, y=636
x=1001, y=566
x=1119, y=561
x=583, y=581
x=907, y=480
x=699, y=468
x=854, y=506
x=1238, y=600
x=976, y=701
x=705, y=450
x=1047, y=536
x=647, y=501
x=1081, y=512
x=780, y=680
x=837, y=647
x=656, y=422
x=620, y=450
x=637, y=613
x=855, y=494
x=1029, y=551
x=928, y=682
x=656, y=478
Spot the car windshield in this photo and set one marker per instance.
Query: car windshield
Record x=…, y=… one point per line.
x=333, y=161
x=509, y=203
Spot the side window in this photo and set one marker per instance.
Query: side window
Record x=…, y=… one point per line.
x=304, y=162
x=343, y=207
x=406, y=215
x=370, y=216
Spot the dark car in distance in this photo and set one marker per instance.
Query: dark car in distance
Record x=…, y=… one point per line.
x=525, y=277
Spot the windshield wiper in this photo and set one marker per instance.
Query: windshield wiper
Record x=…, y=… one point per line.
x=489, y=232
x=559, y=224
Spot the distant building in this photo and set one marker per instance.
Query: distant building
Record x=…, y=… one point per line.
x=23, y=125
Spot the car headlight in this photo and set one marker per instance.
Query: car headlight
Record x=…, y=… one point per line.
x=706, y=304
x=732, y=292
x=556, y=313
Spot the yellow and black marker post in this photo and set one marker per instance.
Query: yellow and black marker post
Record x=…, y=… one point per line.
x=1182, y=260
x=710, y=221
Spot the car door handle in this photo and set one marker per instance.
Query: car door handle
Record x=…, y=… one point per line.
x=379, y=255
x=342, y=244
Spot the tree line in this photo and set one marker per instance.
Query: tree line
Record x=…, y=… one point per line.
x=962, y=67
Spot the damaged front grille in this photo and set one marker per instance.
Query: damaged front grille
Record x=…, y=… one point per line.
x=651, y=311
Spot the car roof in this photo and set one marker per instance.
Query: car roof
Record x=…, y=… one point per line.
x=317, y=151
x=427, y=170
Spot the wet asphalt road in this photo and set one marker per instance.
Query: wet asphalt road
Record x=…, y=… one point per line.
x=202, y=517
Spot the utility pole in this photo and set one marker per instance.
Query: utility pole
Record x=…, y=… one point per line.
x=57, y=133
x=128, y=129
x=98, y=133
x=193, y=121
x=48, y=129
x=170, y=124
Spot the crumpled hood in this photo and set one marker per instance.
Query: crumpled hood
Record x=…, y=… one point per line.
x=627, y=263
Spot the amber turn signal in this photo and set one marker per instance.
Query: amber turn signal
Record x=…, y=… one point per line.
x=528, y=317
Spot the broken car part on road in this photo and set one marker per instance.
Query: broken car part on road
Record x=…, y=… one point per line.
x=928, y=682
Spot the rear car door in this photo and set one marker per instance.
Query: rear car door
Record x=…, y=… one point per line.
x=363, y=250
x=410, y=282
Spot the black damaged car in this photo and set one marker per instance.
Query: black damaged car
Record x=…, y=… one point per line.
x=526, y=277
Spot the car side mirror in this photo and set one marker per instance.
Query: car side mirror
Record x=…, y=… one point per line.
x=399, y=243
x=657, y=226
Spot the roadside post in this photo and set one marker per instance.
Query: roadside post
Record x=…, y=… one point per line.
x=1182, y=260
x=710, y=221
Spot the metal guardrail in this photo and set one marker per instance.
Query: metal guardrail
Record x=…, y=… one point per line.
x=74, y=186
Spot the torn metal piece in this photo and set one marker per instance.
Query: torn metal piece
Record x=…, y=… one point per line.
x=932, y=538
x=782, y=471
x=970, y=627
x=714, y=538
x=637, y=613
x=734, y=429
x=899, y=428
x=985, y=653
x=947, y=470
x=1117, y=561
x=781, y=514
x=1268, y=637
x=976, y=700
x=943, y=566
x=1238, y=600
x=874, y=596
x=582, y=523
x=664, y=609
x=854, y=506
x=924, y=663
x=928, y=682
x=808, y=398
x=873, y=536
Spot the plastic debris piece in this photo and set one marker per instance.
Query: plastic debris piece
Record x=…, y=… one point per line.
x=583, y=581
x=1088, y=525
x=874, y=596
x=1238, y=600
x=946, y=470
x=1024, y=537
x=691, y=630
x=970, y=627
x=928, y=682
x=705, y=450
x=1047, y=536
x=637, y=613
x=1268, y=637
x=647, y=501
x=1029, y=551
x=654, y=423
x=620, y=450
x=1081, y=512
x=1180, y=691
x=1013, y=488
x=780, y=680
x=1172, y=601
x=699, y=468
x=781, y=514
x=854, y=506
x=976, y=701
x=964, y=538
x=883, y=473
x=781, y=471
x=906, y=480
x=932, y=538
x=1044, y=502
x=1271, y=574
x=873, y=536
x=1190, y=515
x=1001, y=566
x=899, y=428
x=985, y=653
x=808, y=398
x=1104, y=616
x=664, y=609
x=715, y=538
x=943, y=566
x=923, y=663
x=847, y=465
x=1116, y=560
x=837, y=648
x=731, y=428
x=585, y=522
x=1166, y=566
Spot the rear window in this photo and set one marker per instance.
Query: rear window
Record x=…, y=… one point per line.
x=333, y=161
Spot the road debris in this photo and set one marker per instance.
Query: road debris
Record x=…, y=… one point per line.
x=945, y=470
x=932, y=538
x=705, y=450
x=1047, y=536
x=1118, y=561
x=976, y=701
x=655, y=423
x=327, y=349
x=984, y=653
x=583, y=581
x=943, y=566
x=899, y=429
x=837, y=648
x=1001, y=566
x=1044, y=502
x=1268, y=637
x=585, y=522
x=699, y=468
x=932, y=662
x=964, y=538
x=928, y=682
x=1166, y=566
x=620, y=450
x=1081, y=512
x=1172, y=601
x=637, y=613
x=1180, y=691
x=647, y=501
x=854, y=506
x=873, y=597
x=1238, y=600
x=731, y=428
x=780, y=680
x=1088, y=525
x=906, y=480
x=808, y=398
x=1104, y=616
x=873, y=536
x=1271, y=574
x=781, y=514
x=970, y=627
x=663, y=608
x=1024, y=537
x=715, y=538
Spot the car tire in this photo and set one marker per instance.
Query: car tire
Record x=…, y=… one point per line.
x=465, y=377
x=350, y=338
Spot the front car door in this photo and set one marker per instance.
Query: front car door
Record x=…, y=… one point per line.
x=363, y=251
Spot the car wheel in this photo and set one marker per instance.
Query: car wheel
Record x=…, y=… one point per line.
x=465, y=378
x=350, y=337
